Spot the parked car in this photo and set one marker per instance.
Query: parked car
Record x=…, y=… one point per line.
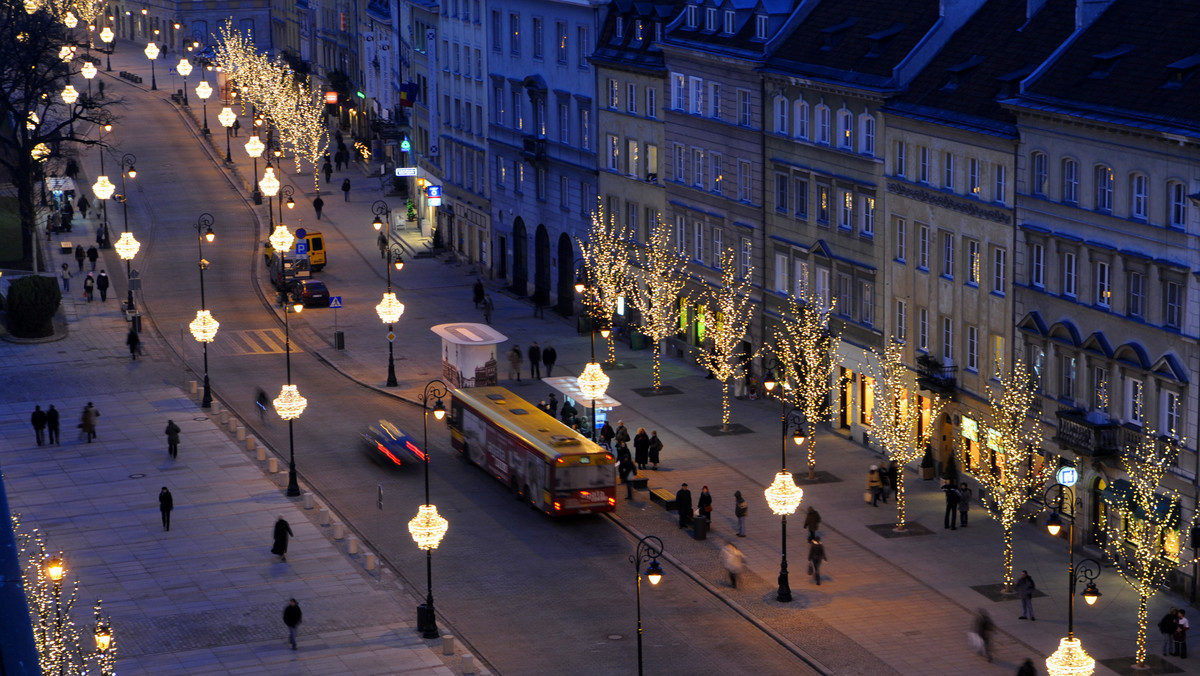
x=310, y=292
x=386, y=443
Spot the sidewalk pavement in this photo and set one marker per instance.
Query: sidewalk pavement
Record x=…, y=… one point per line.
x=887, y=605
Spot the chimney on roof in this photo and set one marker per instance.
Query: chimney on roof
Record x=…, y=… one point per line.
x=1032, y=7
x=1086, y=11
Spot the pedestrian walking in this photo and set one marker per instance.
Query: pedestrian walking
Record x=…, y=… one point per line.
x=893, y=471
x=654, y=449
x=318, y=205
x=549, y=357
x=816, y=554
x=101, y=82
x=1166, y=627
x=1025, y=589
x=102, y=285
x=683, y=505
x=328, y=169
x=478, y=293
x=488, y=307
x=292, y=616
x=883, y=484
x=79, y=256
x=1027, y=668
x=539, y=304
x=641, y=448
x=83, y=204
x=704, y=505
x=964, y=503
x=1181, y=629
x=38, y=420
x=980, y=637
x=337, y=160
x=951, y=505
x=52, y=425
x=89, y=287
x=874, y=486
x=514, y=363
x=627, y=471
x=734, y=561
x=346, y=189
x=740, y=509
x=812, y=521
x=133, y=340
x=93, y=254
x=535, y=361
x=87, y=422
x=172, y=433
x=237, y=126
x=382, y=242
x=622, y=433
x=282, y=532
x=166, y=502
x=66, y=277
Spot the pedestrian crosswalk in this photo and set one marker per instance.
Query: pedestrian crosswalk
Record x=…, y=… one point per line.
x=250, y=342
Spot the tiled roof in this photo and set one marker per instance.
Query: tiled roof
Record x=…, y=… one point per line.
x=743, y=38
x=988, y=57
x=1141, y=57
x=628, y=50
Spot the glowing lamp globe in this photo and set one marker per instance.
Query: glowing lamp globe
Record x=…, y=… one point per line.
x=428, y=527
x=66, y=53
x=1070, y=660
x=281, y=240
x=269, y=185
x=33, y=120
x=255, y=147
x=151, y=51
x=184, y=68
x=593, y=382
x=227, y=117
x=289, y=404
x=70, y=20
x=70, y=95
x=88, y=70
x=783, y=495
x=55, y=569
x=107, y=35
x=127, y=246
x=103, y=188
x=654, y=572
x=204, y=327
x=31, y=6
x=40, y=152
x=103, y=638
x=389, y=309
x=203, y=90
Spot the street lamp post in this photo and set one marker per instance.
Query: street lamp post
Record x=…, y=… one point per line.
x=289, y=404
x=592, y=382
x=269, y=185
x=1071, y=659
x=56, y=569
x=185, y=69
x=203, y=90
x=649, y=549
x=428, y=528
x=204, y=327
x=152, y=54
x=389, y=309
x=255, y=148
x=286, y=191
x=127, y=169
x=88, y=70
x=227, y=118
x=107, y=36
x=783, y=495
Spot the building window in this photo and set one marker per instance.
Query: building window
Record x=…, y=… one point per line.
x=948, y=171
x=1070, y=169
x=714, y=100
x=518, y=116
x=1000, y=184
x=801, y=189
x=1136, y=304
x=583, y=43
x=900, y=159
x=760, y=26
x=800, y=119
x=696, y=95
x=973, y=348
x=823, y=288
x=744, y=181
x=1070, y=274
x=1133, y=400
x=564, y=191
x=823, y=205
x=729, y=22
x=698, y=168
x=539, y=38
x=710, y=19
x=845, y=130
x=846, y=209
x=501, y=172
x=498, y=104
x=1177, y=198
x=514, y=33
x=541, y=184
x=845, y=299
x=631, y=98
x=743, y=98
x=866, y=135
x=923, y=329
x=744, y=258
x=715, y=170
x=1037, y=265
x=999, y=270
x=866, y=306
x=1066, y=379
x=1169, y=419
x=1173, y=305
x=1100, y=390
x=781, y=192
x=923, y=165
x=1139, y=189
x=560, y=28
x=923, y=248
x=1041, y=174
x=633, y=158
x=781, y=115
x=868, y=216
x=1104, y=188
x=973, y=262
x=564, y=122
x=901, y=240
x=619, y=27
x=901, y=321
x=680, y=164
x=585, y=128
x=947, y=341
x=997, y=357
x=652, y=102
x=973, y=186
x=698, y=235
x=823, y=122
x=678, y=91
x=948, y=255
x=1103, y=285
x=781, y=276
x=680, y=235
x=614, y=153
x=691, y=16
x=613, y=89
x=718, y=246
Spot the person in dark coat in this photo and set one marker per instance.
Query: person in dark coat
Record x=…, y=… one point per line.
x=683, y=505
x=951, y=505
x=87, y=422
x=102, y=285
x=740, y=509
x=172, y=433
x=812, y=521
x=292, y=616
x=166, y=502
x=627, y=471
x=346, y=189
x=983, y=628
x=83, y=206
x=816, y=554
x=38, y=419
x=477, y=293
x=79, y=256
x=704, y=505
x=1027, y=668
x=1166, y=626
x=535, y=361
x=655, y=449
x=641, y=448
x=606, y=434
x=549, y=356
x=52, y=424
x=622, y=432
x=318, y=205
x=93, y=254
x=568, y=412
x=282, y=532
x=133, y=340
x=1026, y=589
x=89, y=287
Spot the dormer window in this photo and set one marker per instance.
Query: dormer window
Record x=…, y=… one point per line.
x=1104, y=62
x=637, y=30
x=959, y=72
x=1181, y=71
x=760, y=26
x=710, y=19
x=691, y=16
x=658, y=31
x=880, y=40
x=620, y=27
x=831, y=36
x=729, y=22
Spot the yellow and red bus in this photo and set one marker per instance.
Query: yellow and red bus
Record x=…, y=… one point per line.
x=541, y=460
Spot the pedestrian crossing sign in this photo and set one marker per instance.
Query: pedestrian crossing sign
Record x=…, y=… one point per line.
x=335, y=302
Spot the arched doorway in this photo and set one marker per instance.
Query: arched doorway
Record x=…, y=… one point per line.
x=520, y=281
x=541, y=266
x=566, y=275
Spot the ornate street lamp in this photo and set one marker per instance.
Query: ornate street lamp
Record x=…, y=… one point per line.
x=106, y=645
x=70, y=20
x=152, y=54
x=185, y=69
x=649, y=549
x=286, y=191
x=783, y=495
x=593, y=382
x=227, y=118
x=106, y=36
x=269, y=185
x=1071, y=659
x=255, y=148
x=89, y=70
x=127, y=247
x=204, y=327
x=428, y=528
x=389, y=309
x=289, y=404
x=204, y=90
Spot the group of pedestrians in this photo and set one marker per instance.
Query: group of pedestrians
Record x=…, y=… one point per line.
x=958, y=504
x=43, y=422
x=537, y=355
x=1174, y=627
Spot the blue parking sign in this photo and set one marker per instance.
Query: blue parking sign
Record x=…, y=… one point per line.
x=302, y=247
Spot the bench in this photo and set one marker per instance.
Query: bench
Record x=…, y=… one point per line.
x=65, y=247
x=638, y=482
x=663, y=497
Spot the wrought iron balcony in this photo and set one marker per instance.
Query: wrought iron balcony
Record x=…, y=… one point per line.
x=936, y=377
x=1097, y=437
x=535, y=149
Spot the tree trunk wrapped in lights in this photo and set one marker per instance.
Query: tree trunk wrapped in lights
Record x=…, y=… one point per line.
x=729, y=310
x=900, y=425
x=1011, y=468
x=606, y=262
x=1146, y=542
x=656, y=294
x=806, y=351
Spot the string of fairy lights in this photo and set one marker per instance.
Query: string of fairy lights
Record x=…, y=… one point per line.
x=902, y=425
x=729, y=306
x=605, y=255
x=656, y=296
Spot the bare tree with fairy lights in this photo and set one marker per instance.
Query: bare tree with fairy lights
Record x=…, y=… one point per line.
x=656, y=291
x=728, y=312
x=606, y=261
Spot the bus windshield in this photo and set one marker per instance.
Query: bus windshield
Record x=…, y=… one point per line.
x=582, y=477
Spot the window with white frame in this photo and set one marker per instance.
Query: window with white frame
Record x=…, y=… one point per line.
x=973, y=262
x=866, y=135
x=1103, y=281
x=1135, y=304
x=514, y=32
x=497, y=31
x=800, y=289
x=800, y=119
x=845, y=209
x=678, y=91
x=1070, y=274
x=998, y=356
x=868, y=216
x=718, y=246
x=1037, y=265
x=1177, y=202
x=923, y=165
x=744, y=258
x=923, y=329
x=1104, y=188
x=564, y=122
x=614, y=152
x=1066, y=377
x=714, y=100
x=539, y=38
x=1101, y=394
x=716, y=171
x=541, y=183
x=680, y=157
x=560, y=29
x=730, y=24
x=781, y=192
x=923, y=247
x=564, y=191
x=633, y=158
x=1169, y=414
x=822, y=205
x=517, y=105
x=698, y=241
x=901, y=230
x=631, y=98
x=760, y=26
x=1041, y=174
x=743, y=180
x=1070, y=191
x=948, y=255
x=501, y=172
x=845, y=129
x=651, y=160
x=973, y=348
x=973, y=177
x=901, y=320
x=845, y=297
x=781, y=115
x=691, y=16
x=587, y=198
x=823, y=287
x=1139, y=196
x=681, y=235
x=1134, y=392
x=744, y=117
x=518, y=175
x=900, y=160
x=781, y=272
x=948, y=171
x=1173, y=305
x=698, y=168
x=866, y=304
x=999, y=183
x=619, y=27
x=999, y=270
x=947, y=341
x=823, y=124
x=710, y=18
x=800, y=188
x=652, y=102
x=696, y=95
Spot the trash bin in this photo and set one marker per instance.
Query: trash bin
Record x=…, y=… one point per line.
x=339, y=340
x=637, y=341
x=137, y=322
x=700, y=527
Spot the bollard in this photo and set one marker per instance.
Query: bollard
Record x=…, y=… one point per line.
x=282, y=478
x=250, y=443
x=273, y=465
x=323, y=517
x=352, y=546
x=309, y=501
x=468, y=663
x=262, y=453
x=233, y=424
x=448, y=644
x=216, y=407
x=224, y=416
x=240, y=433
x=192, y=387
x=370, y=561
x=339, y=531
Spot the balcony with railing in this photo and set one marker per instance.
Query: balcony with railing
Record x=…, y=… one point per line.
x=1093, y=436
x=936, y=377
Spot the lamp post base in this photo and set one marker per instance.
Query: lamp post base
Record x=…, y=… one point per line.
x=293, y=487
x=206, y=400
x=391, y=376
x=784, y=595
x=427, y=621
